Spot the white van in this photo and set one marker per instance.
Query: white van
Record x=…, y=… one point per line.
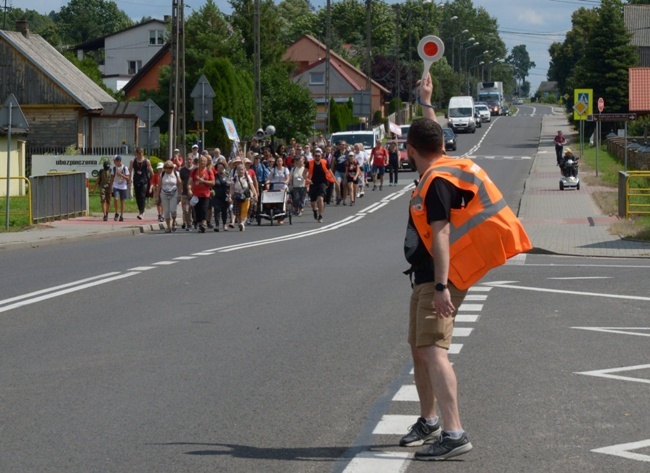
x=461, y=114
x=368, y=138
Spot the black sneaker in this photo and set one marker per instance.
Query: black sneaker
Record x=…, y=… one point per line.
x=444, y=448
x=121, y=218
x=420, y=433
x=116, y=217
x=315, y=215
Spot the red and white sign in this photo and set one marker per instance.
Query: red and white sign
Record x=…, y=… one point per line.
x=431, y=49
x=601, y=104
x=395, y=128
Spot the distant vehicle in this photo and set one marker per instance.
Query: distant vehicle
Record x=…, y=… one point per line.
x=506, y=110
x=518, y=101
x=484, y=112
x=404, y=164
x=450, y=139
x=368, y=138
x=492, y=94
x=460, y=114
x=405, y=130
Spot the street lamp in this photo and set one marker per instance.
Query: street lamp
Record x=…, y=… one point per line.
x=467, y=65
x=453, y=47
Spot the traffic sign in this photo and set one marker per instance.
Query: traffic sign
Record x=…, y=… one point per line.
x=203, y=89
x=583, y=103
x=431, y=49
x=614, y=117
x=149, y=112
x=601, y=104
x=17, y=121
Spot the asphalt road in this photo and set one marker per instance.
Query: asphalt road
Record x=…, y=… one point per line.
x=282, y=348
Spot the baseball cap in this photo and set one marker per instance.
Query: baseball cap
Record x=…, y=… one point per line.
x=117, y=158
x=160, y=166
x=318, y=150
x=351, y=153
x=195, y=146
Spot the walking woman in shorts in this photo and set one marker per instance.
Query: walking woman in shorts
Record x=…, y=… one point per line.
x=352, y=172
x=242, y=191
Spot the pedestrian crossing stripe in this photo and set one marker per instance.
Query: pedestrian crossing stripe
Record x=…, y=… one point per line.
x=499, y=157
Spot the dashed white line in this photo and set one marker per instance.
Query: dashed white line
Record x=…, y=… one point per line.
x=165, y=263
x=141, y=268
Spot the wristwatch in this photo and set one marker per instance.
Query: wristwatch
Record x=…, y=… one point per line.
x=440, y=287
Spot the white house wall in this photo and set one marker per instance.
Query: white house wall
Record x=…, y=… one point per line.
x=130, y=45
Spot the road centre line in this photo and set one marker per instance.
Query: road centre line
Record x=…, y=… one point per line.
x=581, y=278
x=381, y=204
x=478, y=145
x=141, y=268
x=69, y=290
x=62, y=286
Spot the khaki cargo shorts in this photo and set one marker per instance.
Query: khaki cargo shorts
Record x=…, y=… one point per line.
x=425, y=327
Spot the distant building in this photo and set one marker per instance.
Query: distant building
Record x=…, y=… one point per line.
x=309, y=56
x=61, y=104
x=125, y=52
x=548, y=88
x=147, y=78
x=637, y=22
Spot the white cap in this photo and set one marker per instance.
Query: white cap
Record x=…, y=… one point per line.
x=160, y=166
x=195, y=146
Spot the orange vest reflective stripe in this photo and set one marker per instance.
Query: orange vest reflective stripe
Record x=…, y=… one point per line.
x=483, y=235
x=323, y=163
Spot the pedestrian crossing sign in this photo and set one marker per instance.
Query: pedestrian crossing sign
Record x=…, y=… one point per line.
x=583, y=103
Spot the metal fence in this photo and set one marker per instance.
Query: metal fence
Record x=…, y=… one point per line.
x=58, y=196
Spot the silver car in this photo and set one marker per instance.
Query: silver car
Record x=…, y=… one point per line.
x=484, y=112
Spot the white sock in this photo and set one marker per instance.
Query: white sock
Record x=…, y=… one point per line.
x=432, y=421
x=455, y=434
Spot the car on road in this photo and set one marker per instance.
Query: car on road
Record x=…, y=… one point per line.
x=484, y=112
x=518, y=101
x=450, y=139
x=404, y=164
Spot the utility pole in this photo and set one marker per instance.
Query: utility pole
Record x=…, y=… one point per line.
x=328, y=40
x=177, y=129
x=368, y=59
x=397, y=54
x=257, y=64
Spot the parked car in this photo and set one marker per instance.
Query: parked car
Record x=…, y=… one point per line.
x=404, y=164
x=484, y=112
x=450, y=139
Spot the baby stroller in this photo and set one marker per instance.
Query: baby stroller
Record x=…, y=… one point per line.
x=274, y=205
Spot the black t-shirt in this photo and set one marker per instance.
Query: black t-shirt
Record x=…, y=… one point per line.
x=319, y=174
x=340, y=159
x=185, y=177
x=442, y=196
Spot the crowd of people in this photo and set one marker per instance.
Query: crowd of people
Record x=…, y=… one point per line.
x=223, y=193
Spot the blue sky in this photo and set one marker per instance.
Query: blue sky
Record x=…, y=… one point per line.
x=535, y=23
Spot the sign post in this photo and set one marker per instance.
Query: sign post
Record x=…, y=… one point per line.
x=601, y=107
x=10, y=120
x=617, y=117
x=583, y=106
x=150, y=113
x=202, y=108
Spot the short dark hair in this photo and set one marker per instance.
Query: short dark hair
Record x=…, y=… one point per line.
x=426, y=136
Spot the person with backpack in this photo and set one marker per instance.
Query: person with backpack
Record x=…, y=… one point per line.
x=169, y=188
x=103, y=183
x=120, y=182
x=142, y=173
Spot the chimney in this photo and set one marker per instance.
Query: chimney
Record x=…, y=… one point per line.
x=167, y=19
x=22, y=26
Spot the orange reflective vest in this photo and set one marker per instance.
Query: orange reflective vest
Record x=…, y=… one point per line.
x=483, y=234
x=323, y=163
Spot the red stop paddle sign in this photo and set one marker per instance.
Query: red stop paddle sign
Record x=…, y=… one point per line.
x=601, y=104
x=431, y=49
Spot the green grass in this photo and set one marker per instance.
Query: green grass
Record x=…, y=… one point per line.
x=637, y=227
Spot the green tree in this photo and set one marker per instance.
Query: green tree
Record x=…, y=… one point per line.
x=272, y=48
x=298, y=18
x=520, y=59
x=234, y=99
x=83, y=20
x=285, y=104
x=608, y=56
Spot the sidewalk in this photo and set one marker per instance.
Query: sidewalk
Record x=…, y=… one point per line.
x=567, y=222
x=559, y=222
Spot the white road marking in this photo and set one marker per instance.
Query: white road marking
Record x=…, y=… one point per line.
x=475, y=297
x=470, y=307
x=165, y=263
x=581, y=278
x=141, y=268
x=378, y=462
x=621, y=330
x=480, y=289
x=62, y=286
x=455, y=348
x=463, y=318
x=462, y=332
x=69, y=290
x=561, y=291
x=519, y=259
x=382, y=204
x=185, y=258
x=625, y=450
x=478, y=145
x=407, y=393
x=203, y=253
x=607, y=373
x=394, y=424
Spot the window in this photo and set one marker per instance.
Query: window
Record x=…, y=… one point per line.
x=134, y=67
x=316, y=78
x=156, y=37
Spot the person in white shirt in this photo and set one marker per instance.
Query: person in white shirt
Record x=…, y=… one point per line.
x=362, y=160
x=120, y=182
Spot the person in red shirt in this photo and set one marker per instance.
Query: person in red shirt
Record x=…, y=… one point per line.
x=201, y=180
x=177, y=159
x=379, y=160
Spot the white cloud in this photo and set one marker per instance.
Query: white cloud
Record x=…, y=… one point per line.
x=531, y=17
